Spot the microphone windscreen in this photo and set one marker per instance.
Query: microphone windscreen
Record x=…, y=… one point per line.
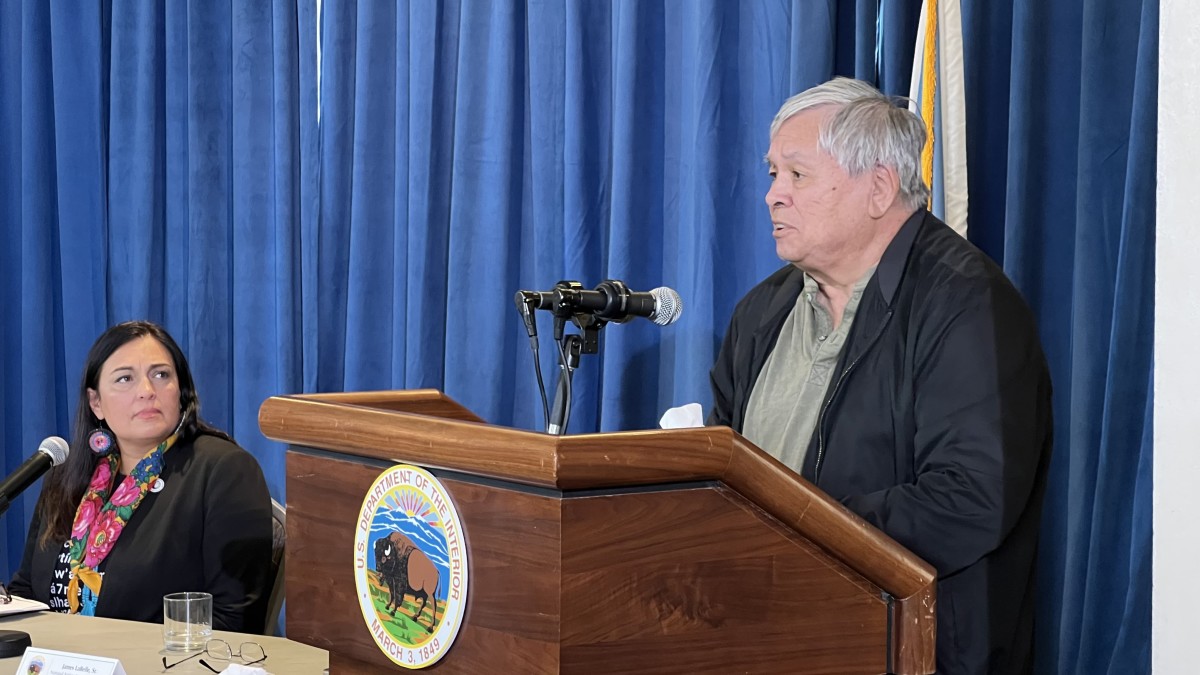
x=56, y=448
x=667, y=306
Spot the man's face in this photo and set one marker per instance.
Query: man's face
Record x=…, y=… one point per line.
x=820, y=214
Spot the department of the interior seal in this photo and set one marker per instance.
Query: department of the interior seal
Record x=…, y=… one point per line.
x=410, y=566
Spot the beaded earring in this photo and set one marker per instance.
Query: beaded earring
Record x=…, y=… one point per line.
x=101, y=441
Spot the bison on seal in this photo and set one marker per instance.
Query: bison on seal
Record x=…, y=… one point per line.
x=405, y=569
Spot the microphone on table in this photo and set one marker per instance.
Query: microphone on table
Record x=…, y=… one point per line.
x=52, y=452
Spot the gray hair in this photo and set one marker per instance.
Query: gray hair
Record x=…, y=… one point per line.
x=868, y=129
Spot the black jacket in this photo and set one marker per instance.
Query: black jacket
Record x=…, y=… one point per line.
x=209, y=529
x=936, y=428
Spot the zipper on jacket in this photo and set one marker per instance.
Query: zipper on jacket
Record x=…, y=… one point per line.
x=836, y=387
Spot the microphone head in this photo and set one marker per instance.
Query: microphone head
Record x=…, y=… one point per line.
x=667, y=306
x=56, y=448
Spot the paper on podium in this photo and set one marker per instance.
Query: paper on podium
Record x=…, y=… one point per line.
x=21, y=605
x=683, y=417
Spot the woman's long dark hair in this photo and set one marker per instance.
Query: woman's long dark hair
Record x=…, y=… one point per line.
x=66, y=483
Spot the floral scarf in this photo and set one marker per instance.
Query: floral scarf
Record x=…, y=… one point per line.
x=100, y=520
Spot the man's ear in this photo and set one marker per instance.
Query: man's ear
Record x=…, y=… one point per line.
x=885, y=190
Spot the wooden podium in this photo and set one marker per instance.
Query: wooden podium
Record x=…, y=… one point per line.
x=682, y=551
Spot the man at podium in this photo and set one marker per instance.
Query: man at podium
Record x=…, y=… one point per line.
x=893, y=365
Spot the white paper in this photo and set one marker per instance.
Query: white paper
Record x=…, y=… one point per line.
x=22, y=605
x=683, y=417
x=239, y=669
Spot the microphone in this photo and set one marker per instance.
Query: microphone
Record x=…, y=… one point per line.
x=52, y=452
x=611, y=300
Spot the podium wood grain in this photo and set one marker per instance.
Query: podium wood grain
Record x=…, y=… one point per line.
x=648, y=552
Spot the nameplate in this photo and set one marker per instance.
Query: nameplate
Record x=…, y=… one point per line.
x=51, y=662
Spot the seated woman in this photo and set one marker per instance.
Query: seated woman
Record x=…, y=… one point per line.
x=151, y=500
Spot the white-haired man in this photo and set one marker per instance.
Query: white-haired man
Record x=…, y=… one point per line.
x=894, y=365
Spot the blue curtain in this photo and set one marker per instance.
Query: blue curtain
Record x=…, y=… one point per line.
x=1070, y=89
x=182, y=163
x=473, y=148
x=152, y=168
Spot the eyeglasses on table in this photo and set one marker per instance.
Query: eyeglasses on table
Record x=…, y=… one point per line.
x=249, y=653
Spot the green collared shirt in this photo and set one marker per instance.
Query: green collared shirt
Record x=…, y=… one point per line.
x=786, y=400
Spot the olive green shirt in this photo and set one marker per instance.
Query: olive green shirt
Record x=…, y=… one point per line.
x=786, y=400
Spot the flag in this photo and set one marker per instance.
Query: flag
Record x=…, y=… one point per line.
x=938, y=96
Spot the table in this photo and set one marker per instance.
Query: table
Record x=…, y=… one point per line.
x=139, y=645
